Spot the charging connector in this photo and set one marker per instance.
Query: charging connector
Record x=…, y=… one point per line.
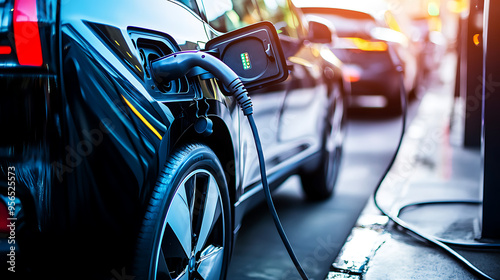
x=177, y=65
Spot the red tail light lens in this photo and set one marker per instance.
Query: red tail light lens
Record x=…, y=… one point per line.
x=5, y=50
x=352, y=73
x=4, y=214
x=26, y=34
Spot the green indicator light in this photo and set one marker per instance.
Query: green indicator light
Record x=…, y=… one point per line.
x=245, y=60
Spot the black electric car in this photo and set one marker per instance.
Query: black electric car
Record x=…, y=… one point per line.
x=110, y=173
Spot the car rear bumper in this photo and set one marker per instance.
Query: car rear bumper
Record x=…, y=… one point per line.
x=374, y=79
x=384, y=84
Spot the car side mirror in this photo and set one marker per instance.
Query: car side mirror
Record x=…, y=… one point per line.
x=253, y=52
x=320, y=30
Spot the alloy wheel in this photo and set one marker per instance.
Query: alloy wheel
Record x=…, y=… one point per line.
x=192, y=238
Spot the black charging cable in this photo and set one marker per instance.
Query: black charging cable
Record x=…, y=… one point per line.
x=177, y=65
x=473, y=245
x=441, y=243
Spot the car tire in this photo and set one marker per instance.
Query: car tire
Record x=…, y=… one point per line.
x=318, y=184
x=186, y=232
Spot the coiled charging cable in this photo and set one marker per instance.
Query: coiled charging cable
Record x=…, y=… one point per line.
x=441, y=243
x=177, y=65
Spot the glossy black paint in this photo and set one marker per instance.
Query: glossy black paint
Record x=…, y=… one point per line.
x=88, y=132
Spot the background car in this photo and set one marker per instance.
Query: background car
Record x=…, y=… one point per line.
x=370, y=43
x=112, y=177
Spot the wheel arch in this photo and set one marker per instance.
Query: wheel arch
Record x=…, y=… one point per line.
x=221, y=142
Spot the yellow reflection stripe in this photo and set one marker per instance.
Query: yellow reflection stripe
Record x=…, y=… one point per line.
x=142, y=118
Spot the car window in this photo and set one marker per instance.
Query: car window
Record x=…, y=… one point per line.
x=227, y=15
x=191, y=4
x=349, y=24
x=281, y=15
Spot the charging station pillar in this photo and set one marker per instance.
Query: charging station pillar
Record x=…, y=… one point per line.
x=474, y=71
x=490, y=146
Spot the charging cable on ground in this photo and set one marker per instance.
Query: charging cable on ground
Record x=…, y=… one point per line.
x=441, y=243
x=177, y=65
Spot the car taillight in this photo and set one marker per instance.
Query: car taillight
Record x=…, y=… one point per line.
x=5, y=49
x=4, y=214
x=352, y=73
x=26, y=33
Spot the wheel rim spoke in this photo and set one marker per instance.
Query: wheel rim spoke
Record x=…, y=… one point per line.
x=211, y=212
x=183, y=276
x=178, y=219
x=210, y=265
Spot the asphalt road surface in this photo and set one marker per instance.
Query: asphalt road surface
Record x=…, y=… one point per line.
x=317, y=231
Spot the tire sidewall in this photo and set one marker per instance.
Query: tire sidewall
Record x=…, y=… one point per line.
x=183, y=162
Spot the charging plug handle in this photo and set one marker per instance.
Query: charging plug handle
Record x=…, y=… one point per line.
x=177, y=65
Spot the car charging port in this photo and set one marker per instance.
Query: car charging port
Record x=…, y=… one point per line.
x=151, y=50
x=151, y=47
